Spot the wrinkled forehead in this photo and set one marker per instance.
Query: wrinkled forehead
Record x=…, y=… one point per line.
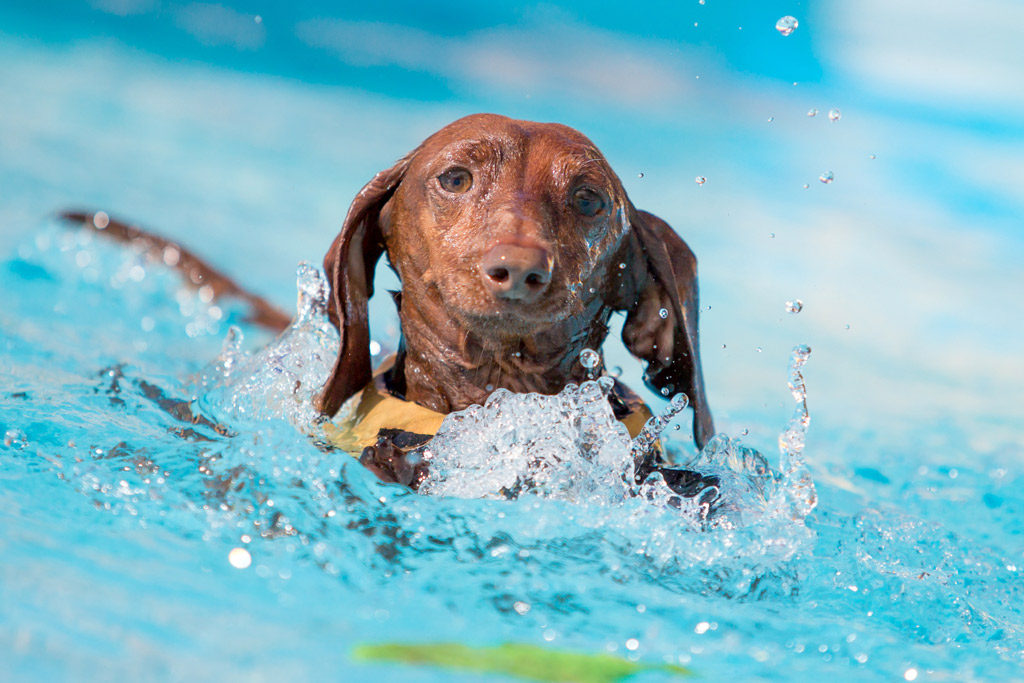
x=539, y=148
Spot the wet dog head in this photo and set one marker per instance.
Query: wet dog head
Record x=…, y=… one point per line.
x=506, y=230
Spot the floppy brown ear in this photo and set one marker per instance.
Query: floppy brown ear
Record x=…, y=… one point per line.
x=661, y=326
x=349, y=265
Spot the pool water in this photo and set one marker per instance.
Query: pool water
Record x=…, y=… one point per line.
x=169, y=509
x=135, y=465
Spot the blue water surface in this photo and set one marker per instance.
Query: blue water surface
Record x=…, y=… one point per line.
x=123, y=493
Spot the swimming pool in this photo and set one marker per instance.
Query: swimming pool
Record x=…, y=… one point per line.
x=122, y=513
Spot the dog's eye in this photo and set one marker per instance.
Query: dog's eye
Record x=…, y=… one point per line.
x=587, y=202
x=456, y=180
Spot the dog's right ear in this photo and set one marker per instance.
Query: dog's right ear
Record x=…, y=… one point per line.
x=349, y=265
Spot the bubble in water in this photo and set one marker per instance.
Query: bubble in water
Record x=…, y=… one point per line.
x=663, y=313
x=616, y=372
x=806, y=186
x=786, y=25
x=700, y=180
x=744, y=432
x=770, y=119
x=871, y=156
x=771, y=235
x=794, y=306
x=622, y=266
x=826, y=177
x=812, y=112
x=639, y=175
x=15, y=438
x=665, y=391
x=834, y=115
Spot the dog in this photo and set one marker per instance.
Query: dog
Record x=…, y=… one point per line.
x=514, y=242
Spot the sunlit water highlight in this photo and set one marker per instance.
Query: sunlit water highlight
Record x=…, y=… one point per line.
x=169, y=510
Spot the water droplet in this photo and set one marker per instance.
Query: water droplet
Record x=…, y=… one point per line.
x=632, y=644
x=663, y=313
x=812, y=112
x=771, y=235
x=676, y=427
x=622, y=266
x=639, y=175
x=665, y=391
x=786, y=25
x=101, y=220
x=239, y=558
x=806, y=186
x=258, y=19
x=794, y=306
x=759, y=349
x=723, y=346
x=834, y=115
x=590, y=359
x=489, y=387
x=871, y=156
x=744, y=432
x=700, y=2
x=826, y=177
x=770, y=119
x=680, y=401
x=700, y=180
x=847, y=327
x=521, y=607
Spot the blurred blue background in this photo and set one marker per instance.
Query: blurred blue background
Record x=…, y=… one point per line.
x=244, y=129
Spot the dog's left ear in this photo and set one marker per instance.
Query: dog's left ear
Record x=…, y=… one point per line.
x=661, y=326
x=350, y=264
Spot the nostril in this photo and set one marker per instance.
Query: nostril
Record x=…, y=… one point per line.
x=535, y=280
x=498, y=274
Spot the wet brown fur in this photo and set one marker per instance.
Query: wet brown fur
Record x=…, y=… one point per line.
x=459, y=340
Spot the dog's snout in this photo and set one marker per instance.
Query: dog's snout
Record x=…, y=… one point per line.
x=513, y=271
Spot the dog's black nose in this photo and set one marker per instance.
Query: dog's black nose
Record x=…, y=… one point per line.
x=517, y=272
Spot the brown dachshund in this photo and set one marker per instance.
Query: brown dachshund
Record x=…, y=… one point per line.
x=514, y=242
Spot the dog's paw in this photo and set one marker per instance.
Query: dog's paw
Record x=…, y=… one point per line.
x=397, y=458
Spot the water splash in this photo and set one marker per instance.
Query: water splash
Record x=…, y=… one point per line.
x=654, y=427
x=280, y=380
x=795, y=477
x=570, y=447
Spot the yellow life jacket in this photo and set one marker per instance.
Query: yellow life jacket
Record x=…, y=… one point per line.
x=374, y=409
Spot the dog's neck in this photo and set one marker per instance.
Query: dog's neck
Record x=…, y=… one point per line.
x=448, y=368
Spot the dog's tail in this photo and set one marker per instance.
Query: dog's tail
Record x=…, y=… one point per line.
x=195, y=271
